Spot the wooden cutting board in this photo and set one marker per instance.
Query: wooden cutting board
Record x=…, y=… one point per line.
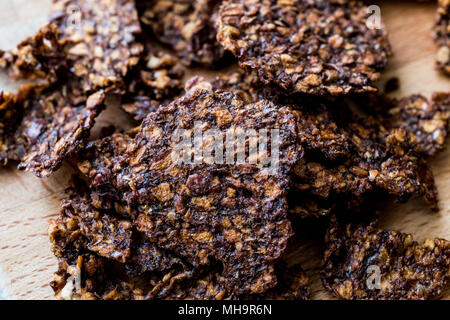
x=26, y=202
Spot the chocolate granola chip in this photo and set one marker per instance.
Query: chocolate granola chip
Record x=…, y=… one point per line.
x=321, y=47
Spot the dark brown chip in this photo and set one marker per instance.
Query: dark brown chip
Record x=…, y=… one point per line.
x=90, y=45
x=357, y=254
x=100, y=40
x=48, y=124
x=156, y=81
x=80, y=226
x=371, y=158
x=293, y=284
x=9, y=119
x=348, y=155
x=317, y=47
x=90, y=277
x=102, y=256
x=187, y=26
x=39, y=57
x=234, y=214
x=441, y=32
x=428, y=121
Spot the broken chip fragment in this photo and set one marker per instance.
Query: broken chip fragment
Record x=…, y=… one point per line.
x=38, y=57
x=441, y=33
x=82, y=62
x=187, y=26
x=428, y=121
x=101, y=255
x=364, y=262
x=100, y=40
x=50, y=123
x=155, y=81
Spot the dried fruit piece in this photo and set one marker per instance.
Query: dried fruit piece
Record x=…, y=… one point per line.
x=187, y=26
x=317, y=47
x=205, y=211
x=100, y=40
x=441, y=33
x=156, y=81
x=363, y=262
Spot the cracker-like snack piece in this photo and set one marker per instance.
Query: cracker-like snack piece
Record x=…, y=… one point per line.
x=38, y=57
x=349, y=155
x=321, y=47
x=82, y=60
x=156, y=81
x=102, y=255
x=83, y=227
x=46, y=124
x=407, y=269
x=292, y=284
x=370, y=158
x=427, y=120
x=187, y=26
x=441, y=33
x=234, y=214
x=100, y=40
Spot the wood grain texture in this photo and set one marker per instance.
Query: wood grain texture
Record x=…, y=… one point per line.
x=26, y=202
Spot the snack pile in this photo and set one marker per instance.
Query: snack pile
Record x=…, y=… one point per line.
x=144, y=219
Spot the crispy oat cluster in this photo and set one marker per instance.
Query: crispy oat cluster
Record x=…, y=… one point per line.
x=146, y=219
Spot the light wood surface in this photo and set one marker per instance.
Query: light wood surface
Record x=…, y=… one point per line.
x=26, y=202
